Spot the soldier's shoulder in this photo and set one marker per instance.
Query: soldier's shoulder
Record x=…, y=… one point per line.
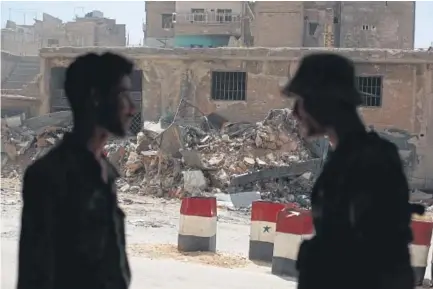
x=52, y=161
x=378, y=146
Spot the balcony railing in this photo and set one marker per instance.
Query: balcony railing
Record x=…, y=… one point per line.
x=210, y=18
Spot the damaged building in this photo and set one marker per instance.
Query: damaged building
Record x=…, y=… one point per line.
x=345, y=24
x=93, y=29
x=243, y=85
x=252, y=137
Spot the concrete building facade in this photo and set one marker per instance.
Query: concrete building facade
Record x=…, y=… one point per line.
x=91, y=30
x=399, y=85
x=192, y=23
x=159, y=28
x=345, y=24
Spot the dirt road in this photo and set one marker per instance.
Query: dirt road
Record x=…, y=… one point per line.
x=152, y=235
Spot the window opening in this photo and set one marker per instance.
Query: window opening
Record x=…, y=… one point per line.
x=167, y=21
x=312, y=27
x=224, y=15
x=198, y=15
x=370, y=88
x=228, y=85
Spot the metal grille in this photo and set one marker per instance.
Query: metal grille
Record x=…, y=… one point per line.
x=198, y=14
x=371, y=90
x=224, y=15
x=228, y=85
x=136, y=123
x=212, y=18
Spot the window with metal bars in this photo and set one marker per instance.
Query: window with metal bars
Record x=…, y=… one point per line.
x=198, y=15
x=228, y=85
x=370, y=88
x=224, y=15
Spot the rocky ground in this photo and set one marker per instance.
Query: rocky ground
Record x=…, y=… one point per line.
x=152, y=227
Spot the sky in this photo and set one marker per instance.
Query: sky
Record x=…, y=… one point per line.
x=132, y=14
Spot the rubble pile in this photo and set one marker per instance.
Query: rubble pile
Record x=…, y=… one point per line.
x=239, y=157
x=267, y=157
x=21, y=144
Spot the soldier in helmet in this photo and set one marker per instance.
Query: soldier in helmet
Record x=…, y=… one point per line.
x=360, y=202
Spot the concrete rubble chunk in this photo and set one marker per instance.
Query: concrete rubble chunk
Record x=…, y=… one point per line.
x=249, y=161
x=171, y=142
x=237, y=200
x=194, y=181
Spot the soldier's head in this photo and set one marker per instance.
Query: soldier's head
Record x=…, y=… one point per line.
x=98, y=90
x=325, y=94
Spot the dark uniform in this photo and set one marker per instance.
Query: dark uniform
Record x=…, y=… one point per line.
x=362, y=219
x=72, y=233
x=360, y=202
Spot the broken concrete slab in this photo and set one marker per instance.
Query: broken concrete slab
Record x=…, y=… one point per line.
x=238, y=200
x=294, y=169
x=14, y=121
x=55, y=119
x=171, y=141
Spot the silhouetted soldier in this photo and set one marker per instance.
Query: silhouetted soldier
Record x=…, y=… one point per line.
x=360, y=202
x=72, y=231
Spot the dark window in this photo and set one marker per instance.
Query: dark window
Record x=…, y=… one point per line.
x=336, y=20
x=57, y=77
x=228, y=85
x=137, y=80
x=224, y=15
x=167, y=21
x=58, y=100
x=312, y=27
x=52, y=42
x=198, y=15
x=371, y=90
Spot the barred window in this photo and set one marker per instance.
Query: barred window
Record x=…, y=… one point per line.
x=167, y=21
x=228, y=85
x=198, y=14
x=371, y=90
x=224, y=15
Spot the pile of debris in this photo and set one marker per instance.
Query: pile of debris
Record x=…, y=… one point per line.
x=23, y=145
x=268, y=157
x=213, y=157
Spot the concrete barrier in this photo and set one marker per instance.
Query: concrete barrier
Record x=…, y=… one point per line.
x=293, y=226
x=420, y=246
x=263, y=223
x=198, y=224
